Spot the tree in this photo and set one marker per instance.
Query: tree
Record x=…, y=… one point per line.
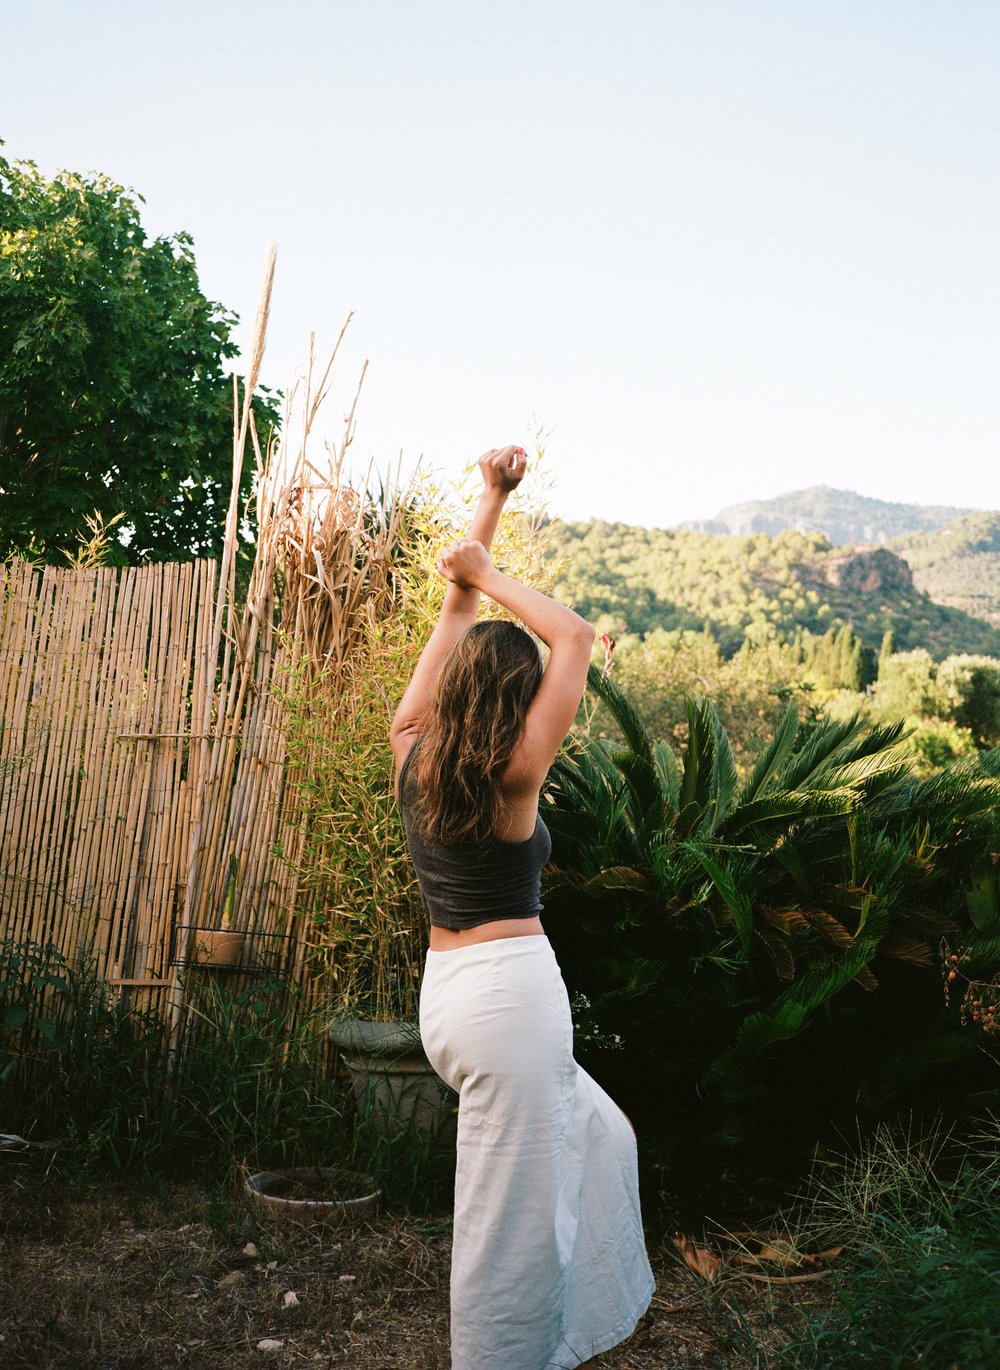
x=970, y=686
x=907, y=686
x=888, y=647
x=113, y=393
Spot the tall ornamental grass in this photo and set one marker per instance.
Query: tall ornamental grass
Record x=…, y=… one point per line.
x=917, y=1278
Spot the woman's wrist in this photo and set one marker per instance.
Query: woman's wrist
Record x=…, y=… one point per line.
x=490, y=577
x=493, y=496
x=487, y=516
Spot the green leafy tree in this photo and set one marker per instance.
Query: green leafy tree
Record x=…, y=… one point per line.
x=887, y=648
x=907, y=686
x=970, y=686
x=113, y=394
x=663, y=671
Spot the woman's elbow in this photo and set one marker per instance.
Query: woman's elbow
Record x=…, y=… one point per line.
x=577, y=636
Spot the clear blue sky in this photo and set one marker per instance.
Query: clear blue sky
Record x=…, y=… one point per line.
x=720, y=249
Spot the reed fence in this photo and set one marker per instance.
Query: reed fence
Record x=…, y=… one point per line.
x=131, y=794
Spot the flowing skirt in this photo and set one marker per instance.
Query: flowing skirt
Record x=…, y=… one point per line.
x=549, y=1266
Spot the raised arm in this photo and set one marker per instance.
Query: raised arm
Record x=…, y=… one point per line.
x=570, y=640
x=503, y=469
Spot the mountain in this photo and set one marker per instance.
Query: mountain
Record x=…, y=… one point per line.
x=631, y=580
x=958, y=566
x=843, y=516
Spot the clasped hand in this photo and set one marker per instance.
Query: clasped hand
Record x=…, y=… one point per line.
x=465, y=563
x=503, y=468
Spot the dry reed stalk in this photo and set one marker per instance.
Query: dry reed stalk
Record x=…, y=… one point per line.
x=215, y=760
x=135, y=904
x=95, y=588
x=95, y=775
x=26, y=799
x=37, y=835
x=174, y=608
x=13, y=628
x=43, y=767
x=130, y=770
x=134, y=765
x=17, y=652
x=95, y=876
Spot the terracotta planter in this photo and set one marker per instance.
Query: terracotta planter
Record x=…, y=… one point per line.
x=215, y=947
x=395, y=1085
x=311, y=1195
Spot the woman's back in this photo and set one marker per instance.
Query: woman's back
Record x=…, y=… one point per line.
x=473, y=882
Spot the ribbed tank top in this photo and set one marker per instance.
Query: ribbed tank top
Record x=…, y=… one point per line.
x=465, y=884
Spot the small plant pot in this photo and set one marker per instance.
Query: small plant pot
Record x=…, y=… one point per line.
x=312, y=1195
x=216, y=947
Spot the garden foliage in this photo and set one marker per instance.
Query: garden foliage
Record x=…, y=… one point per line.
x=765, y=944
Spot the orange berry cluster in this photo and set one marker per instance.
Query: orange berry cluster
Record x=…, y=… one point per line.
x=980, y=1003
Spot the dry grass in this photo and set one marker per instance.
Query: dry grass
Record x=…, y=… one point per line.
x=122, y=1278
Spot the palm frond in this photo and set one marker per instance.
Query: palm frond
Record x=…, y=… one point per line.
x=779, y=951
x=622, y=710
x=618, y=878
x=643, y=781
x=732, y=1072
x=829, y=927
x=668, y=771
x=773, y=757
x=709, y=777
x=785, y=805
x=835, y=744
x=730, y=873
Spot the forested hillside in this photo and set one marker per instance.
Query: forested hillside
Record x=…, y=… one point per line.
x=628, y=579
x=843, y=516
x=960, y=565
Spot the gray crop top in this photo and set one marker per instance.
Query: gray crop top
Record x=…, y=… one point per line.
x=465, y=884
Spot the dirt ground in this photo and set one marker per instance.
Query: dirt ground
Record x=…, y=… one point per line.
x=121, y=1278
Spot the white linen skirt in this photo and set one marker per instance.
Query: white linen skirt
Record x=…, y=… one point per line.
x=549, y=1265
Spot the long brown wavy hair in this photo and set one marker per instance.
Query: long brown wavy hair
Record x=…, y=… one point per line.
x=473, y=723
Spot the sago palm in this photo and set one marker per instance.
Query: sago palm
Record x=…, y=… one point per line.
x=709, y=918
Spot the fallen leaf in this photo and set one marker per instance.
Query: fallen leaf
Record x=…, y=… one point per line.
x=702, y=1262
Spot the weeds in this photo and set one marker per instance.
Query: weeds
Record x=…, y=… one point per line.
x=918, y=1280
x=242, y=1092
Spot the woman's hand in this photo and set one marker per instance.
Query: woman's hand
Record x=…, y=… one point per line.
x=503, y=468
x=465, y=563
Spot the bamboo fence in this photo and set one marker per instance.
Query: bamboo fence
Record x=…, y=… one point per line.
x=98, y=670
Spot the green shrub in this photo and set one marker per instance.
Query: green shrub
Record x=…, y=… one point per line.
x=765, y=947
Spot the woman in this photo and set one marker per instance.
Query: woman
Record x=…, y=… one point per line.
x=548, y=1265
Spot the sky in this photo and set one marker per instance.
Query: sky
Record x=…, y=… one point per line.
x=715, y=250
